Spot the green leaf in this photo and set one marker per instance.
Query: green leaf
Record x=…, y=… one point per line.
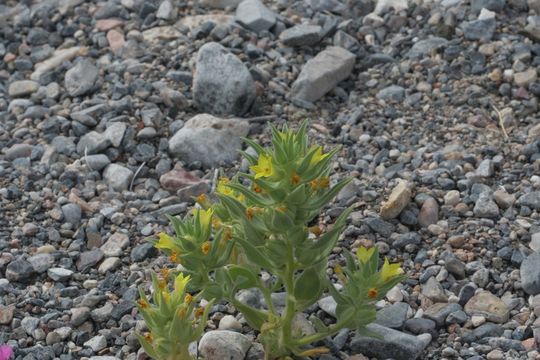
x=255, y=318
x=308, y=287
x=243, y=277
x=254, y=198
x=324, y=199
x=258, y=148
x=364, y=331
x=254, y=255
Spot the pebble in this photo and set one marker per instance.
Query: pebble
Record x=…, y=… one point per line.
x=254, y=15
x=22, y=88
x=117, y=177
x=397, y=201
x=224, y=344
x=80, y=79
x=488, y=305
x=301, y=35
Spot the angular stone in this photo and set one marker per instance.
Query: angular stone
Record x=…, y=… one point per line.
x=530, y=274
x=22, y=88
x=479, y=29
x=177, y=179
x=425, y=47
x=222, y=84
x=301, y=35
x=393, y=316
x=322, y=73
x=526, y=77
x=109, y=264
x=59, y=274
x=56, y=60
x=224, y=344
x=485, y=207
x=439, y=311
x=397, y=201
x=488, y=305
x=96, y=343
x=117, y=177
x=391, y=93
x=531, y=200
x=6, y=314
x=429, y=212
x=434, y=291
x=88, y=259
x=80, y=79
x=116, y=40
x=19, y=270
x=115, y=133
x=41, y=262
x=158, y=34
x=221, y=4
x=209, y=139
x=254, y=15
x=115, y=245
x=394, y=344
x=92, y=143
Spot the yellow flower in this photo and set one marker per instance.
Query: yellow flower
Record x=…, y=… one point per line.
x=388, y=270
x=205, y=247
x=205, y=217
x=364, y=254
x=222, y=187
x=188, y=299
x=165, y=242
x=264, y=167
x=143, y=303
x=180, y=282
x=318, y=156
x=372, y=293
x=166, y=296
x=174, y=256
x=148, y=337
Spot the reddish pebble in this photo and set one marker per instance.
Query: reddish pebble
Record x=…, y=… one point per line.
x=108, y=24
x=116, y=40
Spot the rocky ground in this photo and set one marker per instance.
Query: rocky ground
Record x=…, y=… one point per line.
x=105, y=128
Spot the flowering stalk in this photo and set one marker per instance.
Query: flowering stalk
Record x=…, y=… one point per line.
x=264, y=225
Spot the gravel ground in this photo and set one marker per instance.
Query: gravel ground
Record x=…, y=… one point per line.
x=115, y=113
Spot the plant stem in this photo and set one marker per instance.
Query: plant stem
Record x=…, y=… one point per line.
x=333, y=329
x=290, y=309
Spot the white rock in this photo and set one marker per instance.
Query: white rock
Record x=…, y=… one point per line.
x=229, y=322
x=253, y=15
x=56, y=60
x=117, y=177
x=109, y=264
x=96, y=343
x=22, y=88
x=224, y=344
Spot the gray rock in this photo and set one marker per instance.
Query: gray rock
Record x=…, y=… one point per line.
x=485, y=207
x=142, y=252
x=535, y=242
x=328, y=305
x=429, y=212
x=254, y=15
x=92, y=143
x=29, y=324
x=493, y=5
x=229, y=322
x=97, y=162
x=380, y=226
x=115, y=245
x=395, y=344
x=166, y=11
x=425, y=47
x=419, y=326
x=530, y=274
x=392, y=93
x=88, y=259
x=59, y=274
x=115, y=133
x=103, y=313
x=209, y=139
x=439, y=311
x=223, y=344
x=393, y=316
x=301, y=35
x=434, y=291
x=222, y=85
x=109, y=264
x=72, y=213
x=531, y=200
x=18, y=151
x=322, y=73
x=41, y=262
x=486, y=168
x=22, y=88
x=79, y=315
x=19, y=270
x=346, y=41
x=80, y=79
x=117, y=177
x=479, y=29
x=221, y=4
x=96, y=343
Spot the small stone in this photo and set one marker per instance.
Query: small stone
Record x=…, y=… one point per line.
x=486, y=168
x=116, y=40
x=254, y=15
x=19, y=270
x=477, y=320
x=493, y=5
x=301, y=35
x=96, y=162
x=530, y=274
x=109, y=264
x=425, y=47
x=526, y=77
x=392, y=344
x=55, y=61
x=177, y=179
x=393, y=316
x=18, y=151
x=434, y=291
x=229, y=322
x=115, y=133
x=72, y=213
x=41, y=262
x=479, y=29
x=142, y=252
x=391, y=93
x=488, y=305
x=301, y=326
x=439, y=311
x=223, y=344
x=59, y=274
x=166, y=11
x=452, y=198
x=429, y=213
x=328, y=305
x=485, y=207
x=79, y=315
x=92, y=143
x=96, y=343
x=117, y=177
x=88, y=259
x=504, y=199
x=222, y=84
x=22, y=88
x=394, y=295
x=495, y=355
x=535, y=242
x=80, y=79
x=6, y=314
x=397, y=201
x=209, y=139
x=115, y=245
x=108, y=24
x=322, y=73
x=419, y=326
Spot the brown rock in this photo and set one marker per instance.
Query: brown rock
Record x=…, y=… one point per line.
x=456, y=241
x=177, y=179
x=488, y=305
x=504, y=199
x=116, y=40
x=429, y=213
x=397, y=201
x=108, y=24
x=6, y=314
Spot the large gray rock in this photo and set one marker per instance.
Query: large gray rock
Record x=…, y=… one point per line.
x=531, y=200
x=252, y=14
x=224, y=344
x=80, y=79
x=479, y=29
x=222, y=85
x=530, y=274
x=394, y=344
x=221, y=4
x=301, y=35
x=322, y=73
x=22, y=88
x=117, y=176
x=209, y=139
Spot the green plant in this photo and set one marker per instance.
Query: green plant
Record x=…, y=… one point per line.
x=263, y=226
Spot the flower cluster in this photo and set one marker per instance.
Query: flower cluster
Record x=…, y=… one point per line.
x=262, y=221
